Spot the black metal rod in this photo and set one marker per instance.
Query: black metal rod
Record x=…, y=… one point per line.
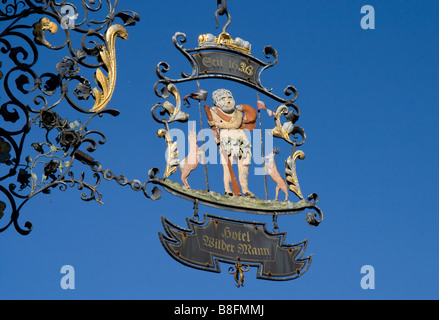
x=263, y=152
x=203, y=140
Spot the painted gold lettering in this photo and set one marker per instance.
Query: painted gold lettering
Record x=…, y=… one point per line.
x=217, y=62
x=242, y=67
x=207, y=62
x=249, y=70
x=233, y=64
x=226, y=233
x=205, y=240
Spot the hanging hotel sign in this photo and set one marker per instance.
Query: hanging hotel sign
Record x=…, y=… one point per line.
x=216, y=239
x=244, y=244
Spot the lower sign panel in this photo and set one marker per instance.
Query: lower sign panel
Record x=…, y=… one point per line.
x=204, y=244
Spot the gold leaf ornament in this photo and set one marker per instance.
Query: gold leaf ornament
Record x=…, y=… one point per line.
x=282, y=130
x=108, y=57
x=290, y=172
x=175, y=113
x=171, y=153
x=39, y=27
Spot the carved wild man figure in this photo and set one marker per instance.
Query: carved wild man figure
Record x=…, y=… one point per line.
x=232, y=120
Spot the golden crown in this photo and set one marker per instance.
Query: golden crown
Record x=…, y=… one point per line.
x=224, y=39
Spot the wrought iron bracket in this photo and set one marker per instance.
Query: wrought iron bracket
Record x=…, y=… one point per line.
x=49, y=163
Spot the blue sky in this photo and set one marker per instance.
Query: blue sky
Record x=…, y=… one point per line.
x=368, y=101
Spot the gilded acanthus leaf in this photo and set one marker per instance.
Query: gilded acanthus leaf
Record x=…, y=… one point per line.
x=171, y=153
x=175, y=113
x=290, y=172
x=108, y=57
x=282, y=130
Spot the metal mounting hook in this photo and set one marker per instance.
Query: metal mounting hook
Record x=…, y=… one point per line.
x=275, y=225
x=222, y=9
x=196, y=216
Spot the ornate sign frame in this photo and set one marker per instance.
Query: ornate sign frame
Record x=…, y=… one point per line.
x=230, y=59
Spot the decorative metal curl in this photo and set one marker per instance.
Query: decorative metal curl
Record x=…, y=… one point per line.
x=238, y=273
x=136, y=185
x=311, y=218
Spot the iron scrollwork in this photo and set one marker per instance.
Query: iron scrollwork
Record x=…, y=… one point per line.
x=28, y=167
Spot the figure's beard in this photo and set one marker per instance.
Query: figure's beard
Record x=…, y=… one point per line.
x=227, y=109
